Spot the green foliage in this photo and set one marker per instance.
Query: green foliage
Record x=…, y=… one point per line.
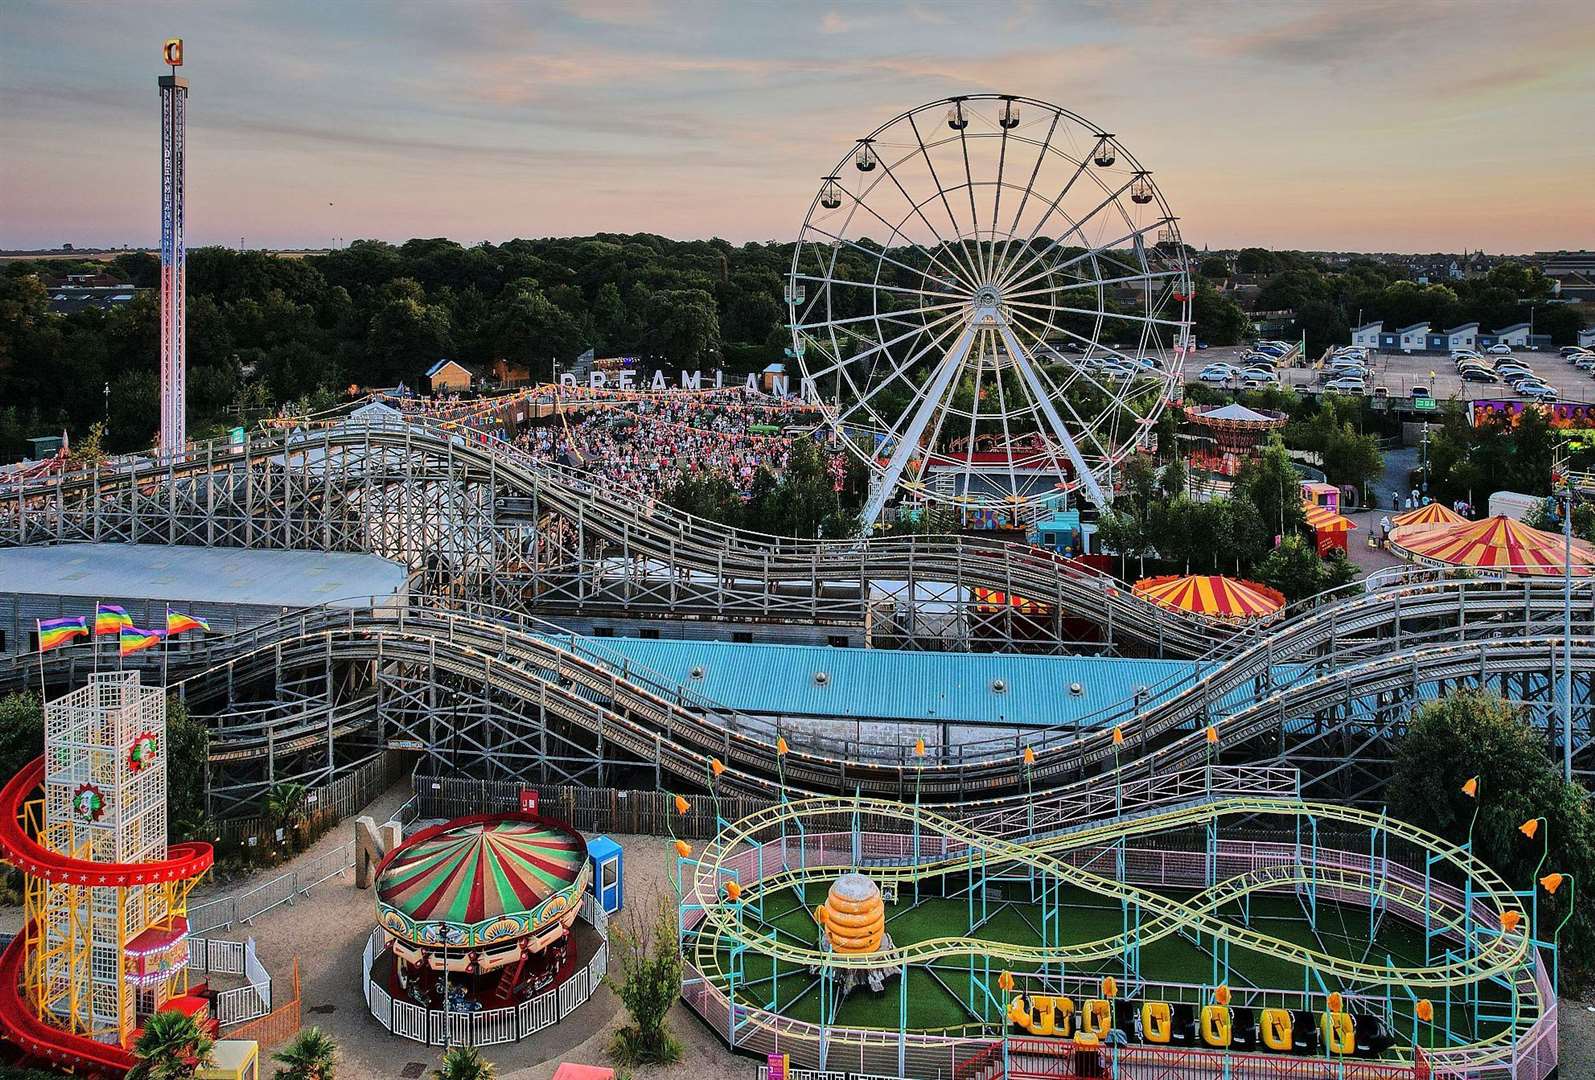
x=1295, y=569
x=464, y=1063
x=187, y=773
x=1349, y=457
x=171, y=1047
x=649, y=982
x=284, y=804
x=1271, y=483
x=1472, y=733
x=802, y=501
x=1469, y=462
x=309, y=1055
x=21, y=731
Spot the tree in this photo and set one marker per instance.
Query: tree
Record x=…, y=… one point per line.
x=284, y=804
x=1474, y=733
x=1295, y=569
x=528, y=328
x=1271, y=483
x=309, y=1055
x=21, y=732
x=683, y=326
x=464, y=1063
x=649, y=983
x=187, y=771
x=172, y=1046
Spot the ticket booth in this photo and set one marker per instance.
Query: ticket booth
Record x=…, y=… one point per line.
x=607, y=877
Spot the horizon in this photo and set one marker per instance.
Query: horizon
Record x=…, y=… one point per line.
x=1350, y=127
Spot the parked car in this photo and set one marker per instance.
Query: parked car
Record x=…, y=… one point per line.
x=1261, y=374
x=1538, y=391
x=1474, y=374
x=1346, y=385
x=1572, y=349
x=1585, y=363
x=1506, y=371
x=1499, y=350
x=1418, y=391
x=1217, y=373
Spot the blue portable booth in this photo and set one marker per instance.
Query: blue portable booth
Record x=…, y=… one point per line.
x=608, y=882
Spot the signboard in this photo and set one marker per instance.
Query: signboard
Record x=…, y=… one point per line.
x=528, y=801
x=1423, y=404
x=778, y=1066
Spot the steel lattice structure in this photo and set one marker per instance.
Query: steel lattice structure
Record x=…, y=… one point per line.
x=468, y=679
x=174, y=258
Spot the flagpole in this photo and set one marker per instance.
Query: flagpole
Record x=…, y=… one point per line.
x=39, y=628
x=165, y=643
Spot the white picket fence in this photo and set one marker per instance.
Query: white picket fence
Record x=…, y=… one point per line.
x=219, y=957
x=489, y=1026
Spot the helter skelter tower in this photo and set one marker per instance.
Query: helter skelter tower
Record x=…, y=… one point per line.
x=105, y=942
x=174, y=288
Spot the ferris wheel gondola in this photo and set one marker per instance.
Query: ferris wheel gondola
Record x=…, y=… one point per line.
x=992, y=308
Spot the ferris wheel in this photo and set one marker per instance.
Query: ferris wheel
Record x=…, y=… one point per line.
x=991, y=300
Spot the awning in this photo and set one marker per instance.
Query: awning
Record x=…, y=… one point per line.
x=1212, y=596
x=1496, y=543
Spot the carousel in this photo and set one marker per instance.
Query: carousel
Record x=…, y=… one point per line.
x=1228, y=436
x=480, y=912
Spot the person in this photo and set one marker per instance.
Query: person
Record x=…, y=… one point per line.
x=1384, y=524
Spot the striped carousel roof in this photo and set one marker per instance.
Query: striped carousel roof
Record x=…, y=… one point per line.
x=1323, y=519
x=1429, y=516
x=1212, y=596
x=474, y=872
x=1496, y=543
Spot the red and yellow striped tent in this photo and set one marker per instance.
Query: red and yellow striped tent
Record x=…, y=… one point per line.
x=1426, y=518
x=1329, y=527
x=1496, y=543
x=1212, y=596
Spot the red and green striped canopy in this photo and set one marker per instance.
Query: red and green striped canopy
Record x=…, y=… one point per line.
x=480, y=879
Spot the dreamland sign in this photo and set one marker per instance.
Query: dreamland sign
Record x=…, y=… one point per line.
x=780, y=385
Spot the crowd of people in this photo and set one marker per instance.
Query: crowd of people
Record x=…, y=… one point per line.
x=648, y=444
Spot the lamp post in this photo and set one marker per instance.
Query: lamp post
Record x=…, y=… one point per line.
x=1550, y=883
x=1567, y=629
x=443, y=936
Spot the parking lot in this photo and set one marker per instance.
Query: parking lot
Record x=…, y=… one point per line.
x=1399, y=373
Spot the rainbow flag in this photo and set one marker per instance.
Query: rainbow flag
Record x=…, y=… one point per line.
x=55, y=632
x=132, y=639
x=177, y=622
x=109, y=619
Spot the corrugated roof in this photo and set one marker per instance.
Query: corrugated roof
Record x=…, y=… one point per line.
x=887, y=684
x=177, y=572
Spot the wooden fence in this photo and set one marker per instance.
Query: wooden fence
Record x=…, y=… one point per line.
x=587, y=809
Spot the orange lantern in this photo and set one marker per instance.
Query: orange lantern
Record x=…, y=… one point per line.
x=1471, y=788
x=1212, y=735
x=780, y=745
x=1110, y=986
x=682, y=805
x=733, y=891
x=1551, y=882
x=716, y=766
x=1510, y=920
x=1005, y=982
x=1530, y=827
x=1336, y=1004
x=683, y=849
x=1030, y=756
x=919, y=747
x=1425, y=1010
x=1118, y=735
x=1221, y=994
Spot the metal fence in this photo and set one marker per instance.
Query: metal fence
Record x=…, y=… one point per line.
x=438, y=1027
x=225, y=912
x=329, y=802
x=246, y=1002
x=213, y=956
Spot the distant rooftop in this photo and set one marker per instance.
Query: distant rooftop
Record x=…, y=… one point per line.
x=214, y=575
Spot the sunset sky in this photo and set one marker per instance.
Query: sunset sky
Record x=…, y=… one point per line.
x=1407, y=126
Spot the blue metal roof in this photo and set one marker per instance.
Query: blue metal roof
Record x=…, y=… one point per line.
x=887, y=684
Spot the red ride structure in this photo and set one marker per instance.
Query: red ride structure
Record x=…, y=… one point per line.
x=105, y=940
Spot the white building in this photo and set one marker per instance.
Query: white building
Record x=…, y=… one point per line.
x=1367, y=335
x=1465, y=336
x=1516, y=335
x=1586, y=338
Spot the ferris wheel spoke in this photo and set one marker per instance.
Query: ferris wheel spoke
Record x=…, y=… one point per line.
x=1079, y=170
x=974, y=215
x=841, y=361
x=880, y=255
x=897, y=372
x=966, y=274
x=890, y=316
x=1024, y=200
x=877, y=285
x=1080, y=370
x=1091, y=284
x=896, y=230
x=1091, y=251
x=1076, y=228
x=941, y=192
x=1021, y=359
x=996, y=205
x=908, y=442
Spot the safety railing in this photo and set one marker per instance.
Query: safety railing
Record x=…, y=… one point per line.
x=224, y=912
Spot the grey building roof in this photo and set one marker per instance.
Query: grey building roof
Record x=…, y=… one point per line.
x=177, y=573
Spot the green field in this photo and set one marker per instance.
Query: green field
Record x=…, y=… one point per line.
x=940, y=996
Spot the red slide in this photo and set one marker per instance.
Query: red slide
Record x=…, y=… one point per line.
x=19, y=1024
